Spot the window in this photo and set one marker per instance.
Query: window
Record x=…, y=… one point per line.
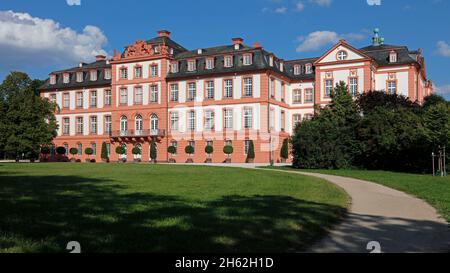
x=108, y=97
x=66, y=100
x=154, y=70
x=53, y=98
x=52, y=79
x=392, y=87
x=228, y=61
x=154, y=124
x=209, y=120
x=154, y=93
x=308, y=95
x=210, y=89
x=191, y=91
x=138, y=72
x=107, y=74
x=308, y=68
x=191, y=143
x=123, y=96
x=283, y=120
x=342, y=55
x=209, y=143
x=228, y=119
x=328, y=88
x=272, y=88
x=108, y=124
x=108, y=149
x=66, y=147
x=174, y=67
x=123, y=73
x=228, y=89
x=79, y=76
x=246, y=145
x=228, y=143
x=297, y=69
x=94, y=148
x=247, y=59
x=93, y=75
x=138, y=125
x=66, y=126
x=248, y=87
x=297, y=118
x=93, y=99
x=353, y=86
x=174, y=119
x=94, y=125
x=138, y=95
x=393, y=57
x=174, y=92
x=80, y=149
x=66, y=78
x=191, y=66
x=80, y=125
x=308, y=117
x=191, y=121
x=80, y=99
x=248, y=118
x=210, y=63
x=297, y=96
x=123, y=126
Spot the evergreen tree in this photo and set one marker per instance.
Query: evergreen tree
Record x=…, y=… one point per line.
x=153, y=151
x=104, y=151
x=251, y=151
x=284, y=152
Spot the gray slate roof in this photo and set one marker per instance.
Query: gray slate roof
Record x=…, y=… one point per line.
x=381, y=54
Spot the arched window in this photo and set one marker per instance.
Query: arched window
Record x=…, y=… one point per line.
x=123, y=126
x=154, y=124
x=138, y=125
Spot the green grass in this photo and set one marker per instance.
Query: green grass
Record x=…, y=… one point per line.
x=434, y=190
x=161, y=208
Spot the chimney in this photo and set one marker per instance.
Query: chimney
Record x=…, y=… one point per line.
x=99, y=58
x=237, y=42
x=163, y=33
x=257, y=45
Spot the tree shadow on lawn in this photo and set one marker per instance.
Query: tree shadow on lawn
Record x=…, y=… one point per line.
x=44, y=213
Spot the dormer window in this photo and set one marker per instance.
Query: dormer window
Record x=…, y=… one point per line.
x=308, y=68
x=342, y=55
x=107, y=74
x=191, y=65
x=271, y=60
x=228, y=61
x=393, y=57
x=66, y=77
x=297, y=69
x=247, y=59
x=210, y=63
x=79, y=76
x=174, y=67
x=156, y=49
x=281, y=66
x=93, y=75
x=52, y=79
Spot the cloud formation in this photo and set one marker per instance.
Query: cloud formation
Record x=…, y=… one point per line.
x=29, y=41
x=73, y=2
x=443, y=49
x=443, y=90
x=318, y=39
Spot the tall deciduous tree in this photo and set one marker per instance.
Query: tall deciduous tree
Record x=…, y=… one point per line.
x=29, y=120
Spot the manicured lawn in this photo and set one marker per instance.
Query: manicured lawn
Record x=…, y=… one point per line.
x=434, y=190
x=161, y=208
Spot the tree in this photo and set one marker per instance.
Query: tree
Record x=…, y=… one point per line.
x=28, y=121
x=61, y=151
x=136, y=150
x=251, y=151
x=437, y=124
x=89, y=151
x=104, y=151
x=189, y=150
x=284, y=152
x=73, y=152
x=120, y=150
x=153, y=151
x=172, y=150
x=228, y=150
x=368, y=101
x=432, y=99
x=209, y=150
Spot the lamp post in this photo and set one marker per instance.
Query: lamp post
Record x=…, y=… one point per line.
x=432, y=159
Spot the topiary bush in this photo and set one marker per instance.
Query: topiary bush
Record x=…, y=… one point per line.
x=228, y=150
x=189, y=150
x=153, y=151
x=284, y=153
x=89, y=151
x=104, y=152
x=209, y=149
x=172, y=150
x=120, y=150
x=45, y=150
x=251, y=152
x=61, y=150
x=136, y=151
x=73, y=151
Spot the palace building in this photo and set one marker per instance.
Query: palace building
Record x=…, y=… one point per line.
x=158, y=91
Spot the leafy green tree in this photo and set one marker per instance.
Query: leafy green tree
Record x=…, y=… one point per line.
x=284, y=152
x=28, y=121
x=433, y=99
x=370, y=100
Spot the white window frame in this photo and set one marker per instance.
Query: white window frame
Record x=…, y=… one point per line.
x=209, y=120
x=210, y=63
x=228, y=61
x=191, y=66
x=247, y=59
x=191, y=121
x=297, y=96
x=328, y=88
x=108, y=124
x=94, y=125
x=228, y=119
x=138, y=95
x=66, y=100
x=248, y=87
x=66, y=78
x=154, y=93
x=174, y=121
x=79, y=76
x=192, y=91
x=228, y=88
x=66, y=126
x=210, y=94
x=309, y=95
x=154, y=70
x=93, y=101
x=174, y=92
x=93, y=75
x=297, y=69
x=248, y=118
x=353, y=86
x=108, y=97
x=123, y=96
x=80, y=99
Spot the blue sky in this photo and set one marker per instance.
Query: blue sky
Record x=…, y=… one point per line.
x=40, y=36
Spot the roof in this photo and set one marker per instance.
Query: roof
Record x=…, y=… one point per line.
x=100, y=66
x=380, y=54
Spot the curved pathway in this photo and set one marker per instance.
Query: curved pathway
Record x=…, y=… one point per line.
x=397, y=221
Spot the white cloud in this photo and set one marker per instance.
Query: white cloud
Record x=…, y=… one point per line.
x=73, y=2
x=281, y=10
x=300, y=6
x=318, y=39
x=28, y=41
x=443, y=49
x=443, y=90
x=322, y=3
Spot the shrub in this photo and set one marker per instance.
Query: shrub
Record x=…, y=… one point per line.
x=251, y=150
x=104, y=153
x=45, y=150
x=89, y=151
x=73, y=151
x=209, y=149
x=228, y=150
x=93, y=161
x=61, y=150
x=284, y=153
x=189, y=150
x=136, y=151
x=120, y=150
x=172, y=150
x=153, y=151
